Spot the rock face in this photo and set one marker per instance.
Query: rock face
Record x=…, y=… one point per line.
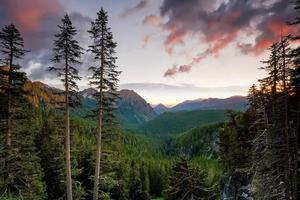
x=236, y=186
x=132, y=109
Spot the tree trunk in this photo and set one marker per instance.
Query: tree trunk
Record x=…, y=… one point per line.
x=98, y=154
x=67, y=124
x=9, y=120
x=99, y=132
x=286, y=128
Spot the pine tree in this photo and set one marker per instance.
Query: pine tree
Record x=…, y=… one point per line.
x=295, y=78
x=104, y=78
x=51, y=152
x=187, y=183
x=12, y=47
x=68, y=52
x=273, y=129
x=20, y=170
x=272, y=67
x=137, y=190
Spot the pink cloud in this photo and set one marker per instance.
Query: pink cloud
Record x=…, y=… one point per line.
x=29, y=14
x=152, y=20
x=146, y=40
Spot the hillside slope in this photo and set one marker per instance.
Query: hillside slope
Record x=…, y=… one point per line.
x=201, y=140
x=170, y=123
x=132, y=109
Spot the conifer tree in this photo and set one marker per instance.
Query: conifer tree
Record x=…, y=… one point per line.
x=104, y=78
x=272, y=67
x=295, y=79
x=67, y=52
x=20, y=171
x=12, y=47
x=272, y=146
x=187, y=183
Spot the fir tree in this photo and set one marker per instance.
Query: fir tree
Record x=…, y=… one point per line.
x=20, y=170
x=104, y=78
x=273, y=129
x=272, y=67
x=295, y=78
x=11, y=47
x=68, y=52
x=187, y=183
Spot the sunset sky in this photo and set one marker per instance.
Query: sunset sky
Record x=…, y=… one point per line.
x=168, y=50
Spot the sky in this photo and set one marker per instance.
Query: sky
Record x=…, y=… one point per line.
x=168, y=50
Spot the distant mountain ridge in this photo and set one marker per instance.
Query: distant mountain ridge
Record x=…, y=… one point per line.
x=238, y=103
x=132, y=110
x=231, y=103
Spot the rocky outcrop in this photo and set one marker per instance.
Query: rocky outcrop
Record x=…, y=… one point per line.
x=236, y=186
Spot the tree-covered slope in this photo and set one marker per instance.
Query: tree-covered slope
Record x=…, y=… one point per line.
x=132, y=110
x=199, y=141
x=170, y=123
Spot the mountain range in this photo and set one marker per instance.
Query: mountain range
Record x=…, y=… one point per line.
x=132, y=110
x=232, y=103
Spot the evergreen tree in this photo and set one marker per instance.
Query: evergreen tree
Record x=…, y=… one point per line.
x=68, y=52
x=273, y=128
x=272, y=68
x=187, y=183
x=295, y=78
x=51, y=152
x=105, y=79
x=20, y=170
x=136, y=190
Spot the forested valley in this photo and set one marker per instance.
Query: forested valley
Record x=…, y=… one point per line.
x=103, y=143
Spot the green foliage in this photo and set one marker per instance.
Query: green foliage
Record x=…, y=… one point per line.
x=170, y=123
x=236, y=141
x=9, y=198
x=20, y=170
x=187, y=182
x=67, y=52
x=140, y=146
x=201, y=140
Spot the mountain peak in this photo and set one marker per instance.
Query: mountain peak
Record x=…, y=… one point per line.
x=88, y=93
x=160, y=108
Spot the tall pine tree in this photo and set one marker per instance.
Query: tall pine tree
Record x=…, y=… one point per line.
x=104, y=78
x=295, y=78
x=19, y=170
x=187, y=183
x=67, y=52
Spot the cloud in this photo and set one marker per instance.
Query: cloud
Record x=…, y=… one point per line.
x=184, y=68
x=152, y=20
x=140, y=6
x=37, y=21
x=146, y=40
x=171, y=72
x=220, y=23
x=34, y=18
